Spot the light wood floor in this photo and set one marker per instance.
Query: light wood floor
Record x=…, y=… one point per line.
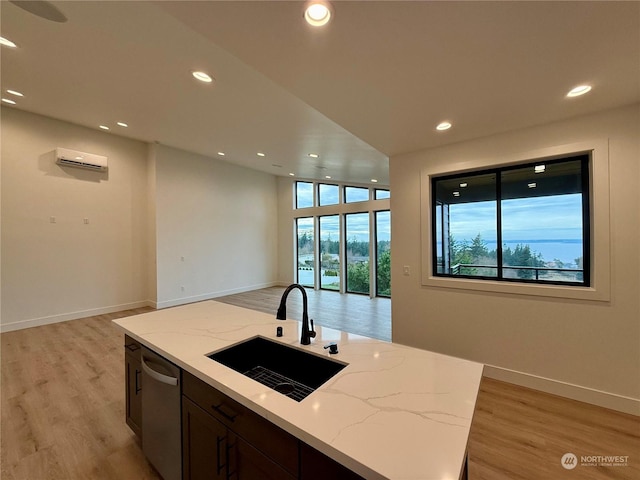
x=62, y=412
x=351, y=313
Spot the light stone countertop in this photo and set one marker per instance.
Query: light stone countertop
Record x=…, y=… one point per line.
x=394, y=412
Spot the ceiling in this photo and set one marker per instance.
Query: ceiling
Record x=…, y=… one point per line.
x=372, y=84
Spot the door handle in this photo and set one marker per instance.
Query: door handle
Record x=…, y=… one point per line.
x=220, y=466
x=138, y=387
x=229, y=416
x=173, y=381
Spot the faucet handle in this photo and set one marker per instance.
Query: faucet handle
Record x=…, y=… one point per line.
x=312, y=333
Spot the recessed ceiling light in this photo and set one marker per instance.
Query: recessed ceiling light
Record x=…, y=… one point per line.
x=374, y=180
x=104, y=127
x=291, y=174
x=531, y=185
x=443, y=126
x=13, y=92
x=580, y=90
x=314, y=155
x=456, y=194
x=7, y=43
x=122, y=124
x=79, y=157
x=463, y=185
x=221, y=154
x=260, y=154
x=539, y=169
x=327, y=176
x=10, y=102
x=317, y=14
x=276, y=165
x=203, y=77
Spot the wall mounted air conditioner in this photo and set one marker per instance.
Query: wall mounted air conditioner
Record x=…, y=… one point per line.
x=73, y=158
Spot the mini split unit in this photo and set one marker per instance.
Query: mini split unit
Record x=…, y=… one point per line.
x=88, y=161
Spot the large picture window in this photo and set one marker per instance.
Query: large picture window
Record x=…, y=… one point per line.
x=330, y=252
x=357, y=252
x=524, y=223
x=305, y=251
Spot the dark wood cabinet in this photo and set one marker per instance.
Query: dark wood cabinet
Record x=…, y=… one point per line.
x=204, y=444
x=223, y=439
x=248, y=463
x=133, y=384
x=315, y=465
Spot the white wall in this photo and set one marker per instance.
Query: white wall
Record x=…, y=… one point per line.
x=589, y=350
x=69, y=269
x=222, y=219
x=154, y=206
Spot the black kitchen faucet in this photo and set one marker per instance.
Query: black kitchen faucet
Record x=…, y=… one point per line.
x=307, y=334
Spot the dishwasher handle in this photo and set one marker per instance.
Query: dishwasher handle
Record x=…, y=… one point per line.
x=173, y=381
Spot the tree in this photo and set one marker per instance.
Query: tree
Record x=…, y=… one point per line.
x=358, y=277
x=478, y=248
x=384, y=273
x=522, y=256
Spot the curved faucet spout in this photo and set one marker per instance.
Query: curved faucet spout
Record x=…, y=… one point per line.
x=307, y=333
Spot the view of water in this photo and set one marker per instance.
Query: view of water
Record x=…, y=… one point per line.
x=565, y=250
x=305, y=277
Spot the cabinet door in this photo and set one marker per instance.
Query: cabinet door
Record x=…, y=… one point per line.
x=204, y=444
x=248, y=463
x=133, y=387
x=315, y=465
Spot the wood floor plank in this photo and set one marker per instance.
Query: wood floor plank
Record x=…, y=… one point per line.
x=62, y=405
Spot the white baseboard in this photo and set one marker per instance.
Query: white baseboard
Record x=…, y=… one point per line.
x=212, y=295
x=63, y=317
x=612, y=401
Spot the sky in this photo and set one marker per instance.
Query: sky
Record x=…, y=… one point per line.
x=357, y=224
x=537, y=218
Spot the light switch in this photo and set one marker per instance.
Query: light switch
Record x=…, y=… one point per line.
x=86, y=221
x=52, y=219
x=406, y=270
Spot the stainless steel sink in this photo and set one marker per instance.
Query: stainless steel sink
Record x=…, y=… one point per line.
x=288, y=370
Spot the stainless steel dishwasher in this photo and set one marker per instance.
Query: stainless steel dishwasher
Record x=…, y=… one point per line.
x=161, y=438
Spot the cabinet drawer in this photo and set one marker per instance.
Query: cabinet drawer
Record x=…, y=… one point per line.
x=259, y=432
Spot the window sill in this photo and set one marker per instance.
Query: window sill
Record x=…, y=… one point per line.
x=555, y=291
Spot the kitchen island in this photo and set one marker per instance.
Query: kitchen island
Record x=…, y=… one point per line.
x=393, y=412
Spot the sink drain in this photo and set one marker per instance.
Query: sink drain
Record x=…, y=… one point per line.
x=279, y=383
x=284, y=388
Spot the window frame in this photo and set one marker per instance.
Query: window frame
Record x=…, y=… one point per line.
x=355, y=187
x=376, y=252
x=340, y=253
x=499, y=173
x=295, y=194
x=376, y=190
x=345, y=245
x=338, y=201
x=599, y=199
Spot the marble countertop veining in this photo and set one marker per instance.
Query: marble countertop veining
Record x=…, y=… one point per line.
x=394, y=412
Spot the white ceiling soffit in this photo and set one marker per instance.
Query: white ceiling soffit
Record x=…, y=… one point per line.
x=389, y=72
x=132, y=62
